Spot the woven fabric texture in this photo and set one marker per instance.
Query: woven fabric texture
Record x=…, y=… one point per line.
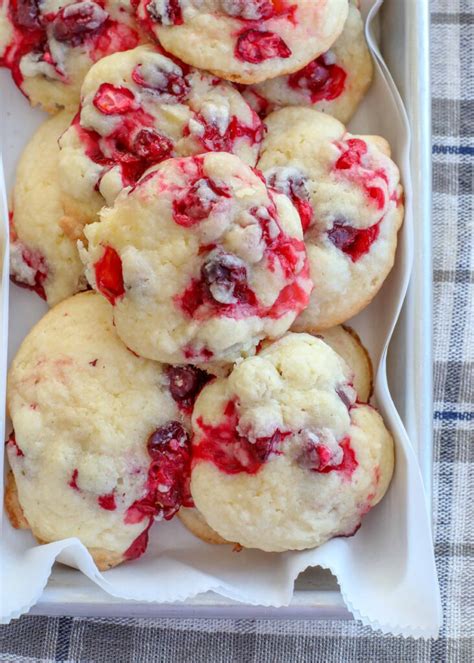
x=99, y=640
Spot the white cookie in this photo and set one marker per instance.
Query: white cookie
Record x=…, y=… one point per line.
x=49, y=45
x=139, y=108
x=245, y=40
x=283, y=456
x=43, y=251
x=200, y=260
x=333, y=83
x=348, y=193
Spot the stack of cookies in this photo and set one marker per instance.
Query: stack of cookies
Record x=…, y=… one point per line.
x=201, y=223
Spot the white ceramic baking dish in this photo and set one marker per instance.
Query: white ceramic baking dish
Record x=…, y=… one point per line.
x=405, y=47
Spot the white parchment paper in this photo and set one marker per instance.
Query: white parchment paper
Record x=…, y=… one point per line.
x=386, y=571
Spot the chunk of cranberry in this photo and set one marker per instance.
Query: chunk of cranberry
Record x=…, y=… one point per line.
x=198, y=202
x=27, y=14
x=73, y=480
x=159, y=81
x=165, y=12
x=108, y=275
x=36, y=262
x=352, y=155
x=14, y=444
x=75, y=22
x=112, y=100
x=249, y=10
x=315, y=457
x=294, y=185
x=107, y=502
x=167, y=486
x=256, y=46
x=354, y=242
x=169, y=437
x=319, y=79
x=139, y=545
x=318, y=457
x=185, y=382
x=152, y=146
x=231, y=452
x=223, y=274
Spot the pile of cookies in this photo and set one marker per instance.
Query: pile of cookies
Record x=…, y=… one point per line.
x=201, y=223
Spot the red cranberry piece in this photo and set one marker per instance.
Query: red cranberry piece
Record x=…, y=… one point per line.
x=198, y=202
x=108, y=275
x=249, y=10
x=356, y=148
x=112, y=100
x=27, y=14
x=107, y=502
x=265, y=446
x=138, y=547
x=293, y=184
x=222, y=274
x=315, y=457
x=153, y=78
x=354, y=242
x=75, y=22
x=321, y=80
x=165, y=13
x=190, y=301
x=35, y=261
x=13, y=443
x=152, y=146
x=73, y=480
x=185, y=382
x=318, y=457
x=377, y=195
x=231, y=452
x=171, y=436
x=256, y=46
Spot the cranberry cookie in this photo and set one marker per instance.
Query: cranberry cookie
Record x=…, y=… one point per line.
x=348, y=193
x=43, y=252
x=139, y=108
x=49, y=45
x=347, y=344
x=201, y=261
x=246, y=41
x=284, y=457
x=333, y=83
x=100, y=447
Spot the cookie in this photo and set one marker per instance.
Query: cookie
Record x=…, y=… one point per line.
x=246, y=41
x=348, y=193
x=333, y=83
x=43, y=251
x=50, y=45
x=139, y=108
x=200, y=260
x=348, y=345
x=284, y=458
x=100, y=446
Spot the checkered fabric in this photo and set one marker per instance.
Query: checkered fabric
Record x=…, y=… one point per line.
x=91, y=640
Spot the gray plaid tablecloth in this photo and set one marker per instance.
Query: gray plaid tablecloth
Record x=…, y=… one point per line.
x=98, y=640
